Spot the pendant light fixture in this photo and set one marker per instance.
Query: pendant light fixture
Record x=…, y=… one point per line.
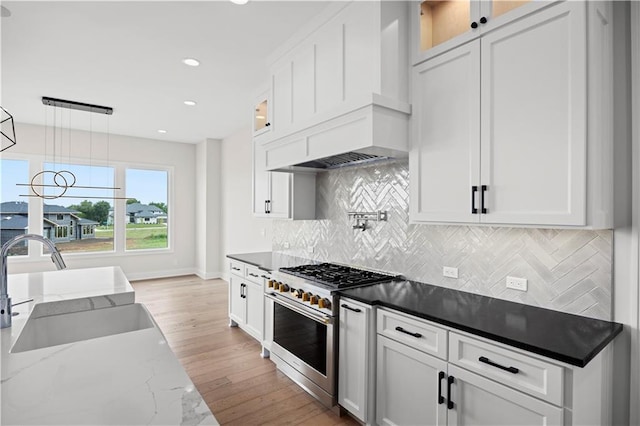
x=8, y=130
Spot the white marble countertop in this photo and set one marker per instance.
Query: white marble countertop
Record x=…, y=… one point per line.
x=125, y=379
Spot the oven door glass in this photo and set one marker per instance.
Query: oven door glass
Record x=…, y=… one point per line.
x=301, y=336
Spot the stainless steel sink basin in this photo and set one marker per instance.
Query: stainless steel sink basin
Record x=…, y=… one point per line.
x=55, y=330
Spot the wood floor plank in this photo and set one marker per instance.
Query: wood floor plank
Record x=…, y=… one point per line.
x=224, y=363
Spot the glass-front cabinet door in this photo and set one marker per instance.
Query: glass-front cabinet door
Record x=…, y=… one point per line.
x=441, y=25
x=261, y=114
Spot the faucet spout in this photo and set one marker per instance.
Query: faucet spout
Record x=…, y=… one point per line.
x=5, y=300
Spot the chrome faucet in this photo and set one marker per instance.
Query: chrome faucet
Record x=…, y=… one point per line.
x=5, y=300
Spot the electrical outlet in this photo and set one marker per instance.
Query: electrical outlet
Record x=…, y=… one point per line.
x=309, y=249
x=517, y=283
x=450, y=272
x=285, y=245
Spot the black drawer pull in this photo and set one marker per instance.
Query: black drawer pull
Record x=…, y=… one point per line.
x=265, y=277
x=254, y=275
x=344, y=305
x=440, y=397
x=402, y=330
x=450, y=381
x=486, y=360
x=235, y=269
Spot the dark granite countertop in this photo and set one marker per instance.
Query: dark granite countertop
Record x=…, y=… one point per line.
x=572, y=339
x=269, y=261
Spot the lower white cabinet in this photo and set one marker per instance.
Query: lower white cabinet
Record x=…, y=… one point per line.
x=428, y=374
x=356, y=359
x=246, y=300
x=409, y=383
x=475, y=400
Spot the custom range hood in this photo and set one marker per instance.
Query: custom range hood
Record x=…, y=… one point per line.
x=375, y=132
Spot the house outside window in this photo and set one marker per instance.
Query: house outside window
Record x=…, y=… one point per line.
x=147, y=211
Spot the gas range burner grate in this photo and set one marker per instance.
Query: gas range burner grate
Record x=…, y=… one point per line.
x=336, y=276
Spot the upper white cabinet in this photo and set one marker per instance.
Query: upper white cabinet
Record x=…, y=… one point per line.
x=281, y=195
x=500, y=130
x=344, y=79
x=440, y=25
x=262, y=113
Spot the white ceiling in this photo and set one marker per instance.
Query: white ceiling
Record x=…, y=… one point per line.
x=127, y=55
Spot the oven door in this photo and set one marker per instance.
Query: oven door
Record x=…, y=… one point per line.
x=304, y=339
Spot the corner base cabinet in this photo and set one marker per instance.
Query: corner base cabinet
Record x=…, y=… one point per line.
x=246, y=298
x=429, y=374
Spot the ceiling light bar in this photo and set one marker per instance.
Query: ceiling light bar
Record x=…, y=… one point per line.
x=77, y=105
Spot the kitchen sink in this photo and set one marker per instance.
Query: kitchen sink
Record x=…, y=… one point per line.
x=55, y=330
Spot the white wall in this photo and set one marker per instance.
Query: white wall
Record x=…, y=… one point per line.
x=180, y=158
x=242, y=233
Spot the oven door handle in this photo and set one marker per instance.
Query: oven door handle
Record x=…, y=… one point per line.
x=316, y=317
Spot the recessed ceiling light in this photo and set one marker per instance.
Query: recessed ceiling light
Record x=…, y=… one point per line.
x=192, y=62
x=162, y=131
x=190, y=103
x=239, y=1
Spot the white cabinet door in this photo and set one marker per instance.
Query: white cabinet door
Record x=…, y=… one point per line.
x=237, y=306
x=534, y=119
x=354, y=358
x=303, y=84
x=280, y=199
x=261, y=181
x=479, y=401
x=445, y=152
x=408, y=386
x=254, y=300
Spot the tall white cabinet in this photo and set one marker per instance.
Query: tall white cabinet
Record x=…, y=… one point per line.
x=500, y=125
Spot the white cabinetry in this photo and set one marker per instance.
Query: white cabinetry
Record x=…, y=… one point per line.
x=500, y=125
x=428, y=374
x=356, y=360
x=246, y=299
x=341, y=85
x=279, y=194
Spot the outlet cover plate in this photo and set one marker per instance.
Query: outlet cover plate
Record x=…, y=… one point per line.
x=449, y=272
x=517, y=283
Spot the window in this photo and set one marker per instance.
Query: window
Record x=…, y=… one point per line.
x=147, y=209
x=14, y=209
x=78, y=209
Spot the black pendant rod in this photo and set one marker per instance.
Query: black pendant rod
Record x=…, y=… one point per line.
x=77, y=105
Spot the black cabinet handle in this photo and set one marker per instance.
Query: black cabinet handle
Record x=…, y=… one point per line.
x=402, y=330
x=265, y=277
x=235, y=269
x=254, y=275
x=266, y=206
x=486, y=360
x=474, y=189
x=242, y=293
x=440, y=397
x=483, y=20
x=483, y=210
x=267, y=124
x=474, y=25
x=450, y=380
x=344, y=305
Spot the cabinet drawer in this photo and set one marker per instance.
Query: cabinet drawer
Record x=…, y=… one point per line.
x=416, y=333
x=254, y=274
x=530, y=375
x=237, y=268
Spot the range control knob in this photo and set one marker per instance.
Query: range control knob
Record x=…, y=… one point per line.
x=284, y=288
x=306, y=296
x=324, y=303
x=298, y=293
x=314, y=300
x=270, y=283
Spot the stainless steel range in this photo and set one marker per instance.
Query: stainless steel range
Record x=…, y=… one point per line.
x=303, y=313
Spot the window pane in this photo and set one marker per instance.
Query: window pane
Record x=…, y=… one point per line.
x=78, y=220
x=14, y=210
x=147, y=209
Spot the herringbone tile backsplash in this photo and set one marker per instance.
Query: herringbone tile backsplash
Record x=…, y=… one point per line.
x=567, y=270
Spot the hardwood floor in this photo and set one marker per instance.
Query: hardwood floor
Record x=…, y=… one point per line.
x=224, y=363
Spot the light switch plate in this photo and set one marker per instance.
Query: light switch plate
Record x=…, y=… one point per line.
x=449, y=272
x=517, y=283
